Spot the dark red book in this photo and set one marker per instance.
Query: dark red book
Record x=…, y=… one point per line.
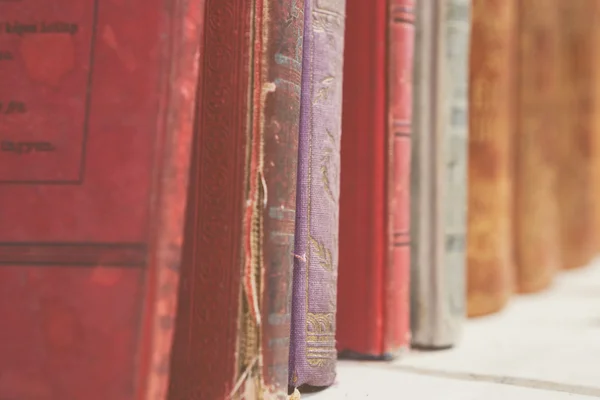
x=95, y=134
x=373, y=298
x=232, y=331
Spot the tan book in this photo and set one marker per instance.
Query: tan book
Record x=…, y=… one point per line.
x=595, y=37
x=537, y=231
x=575, y=176
x=491, y=126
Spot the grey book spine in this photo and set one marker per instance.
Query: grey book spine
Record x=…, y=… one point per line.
x=439, y=180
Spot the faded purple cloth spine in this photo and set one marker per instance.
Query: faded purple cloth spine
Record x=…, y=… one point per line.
x=312, y=347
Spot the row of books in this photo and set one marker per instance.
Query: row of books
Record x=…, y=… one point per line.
x=214, y=199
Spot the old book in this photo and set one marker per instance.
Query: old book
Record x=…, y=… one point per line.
x=537, y=230
x=491, y=127
x=401, y=37
x=233, y=325
x=312, y=347
x=96, y=130
x=372, y=318
x=439, y=172
x=576, y=139
x=595, y=103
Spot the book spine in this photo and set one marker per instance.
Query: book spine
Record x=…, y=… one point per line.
x=363, y=236
x=454, y=35
x=209, y=354
x=595, y=37
x=400, y=62
x=537, y=230
x=277, y=80
x=172, y=177
x=438, y=293
x=423, y=243
x=491, y=125
x=575, y=172
x=312, y=348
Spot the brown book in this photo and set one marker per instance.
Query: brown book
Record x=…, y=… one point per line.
x=595, y=85
x=576, y=92
x=233, y=324
x=491, y=124
x=537, y=236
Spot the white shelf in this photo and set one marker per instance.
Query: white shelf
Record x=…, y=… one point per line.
x=542, y=346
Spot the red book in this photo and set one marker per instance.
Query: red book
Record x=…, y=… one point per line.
x=373, y=298
x=95, y=136
x=233, y=323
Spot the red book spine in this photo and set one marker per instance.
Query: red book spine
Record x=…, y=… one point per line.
x=233, y=325
x=362, y=241
x=400, y=64
x=205, y=364
x=183, y=52
x=372, y=317
x=90, y=250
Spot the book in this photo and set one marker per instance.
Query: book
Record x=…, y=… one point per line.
x=595, y=84
x=401, y=38
x=95, y=139
x=576, y=202
x=312, y=347
x=490, y=262
x=439, y=173
x=372, y=317
x=537, y=229
x=233, y=327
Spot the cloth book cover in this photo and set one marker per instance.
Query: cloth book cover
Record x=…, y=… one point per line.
x=439, y=173
x=372, y=318
x=312, y=347
x=578, y=46
x=95, y=138
x=233, y=326
x=490, y=226
x=537, y=225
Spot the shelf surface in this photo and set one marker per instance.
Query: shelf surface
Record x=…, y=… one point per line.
x=542, y=346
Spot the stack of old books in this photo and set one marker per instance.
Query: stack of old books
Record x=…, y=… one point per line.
x=216, y=199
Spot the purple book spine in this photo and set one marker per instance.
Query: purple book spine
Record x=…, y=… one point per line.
x=312, y=347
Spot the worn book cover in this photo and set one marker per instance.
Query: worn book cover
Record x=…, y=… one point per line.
x=312, y=347
x=577, y=92
x=491, y=126
x=537, y=230
x=372, y=318
x=439, y=172
x=401, y=38
x=95, y=134
x=233, y=324
x=595, y=87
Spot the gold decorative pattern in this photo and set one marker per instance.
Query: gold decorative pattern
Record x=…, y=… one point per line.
x=320, y=349
x=328, y=165
x=323, y=253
